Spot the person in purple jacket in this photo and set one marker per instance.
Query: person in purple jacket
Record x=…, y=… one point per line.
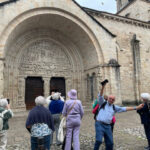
x=74, y=111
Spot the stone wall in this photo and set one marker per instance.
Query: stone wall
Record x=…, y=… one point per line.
x=121, y=4
x=134, y=60
x=87, y=52
x=139, y=9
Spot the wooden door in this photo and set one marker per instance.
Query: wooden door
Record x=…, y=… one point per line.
x=57, y=84
x=34, y=88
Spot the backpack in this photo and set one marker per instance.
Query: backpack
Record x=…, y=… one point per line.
x=101, y=107
x=1, y=119
x=95, y=103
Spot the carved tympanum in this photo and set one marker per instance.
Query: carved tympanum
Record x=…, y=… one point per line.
x=44, y=57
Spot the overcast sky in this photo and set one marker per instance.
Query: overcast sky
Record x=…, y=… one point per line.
x=102, y=5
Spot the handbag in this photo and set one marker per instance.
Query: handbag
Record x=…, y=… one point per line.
x=61, y=129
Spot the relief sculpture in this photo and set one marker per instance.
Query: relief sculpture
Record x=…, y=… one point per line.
x=44, y=57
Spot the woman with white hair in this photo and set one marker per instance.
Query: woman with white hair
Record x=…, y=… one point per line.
x=145, y=116
x=6, y=114
x=40, y=124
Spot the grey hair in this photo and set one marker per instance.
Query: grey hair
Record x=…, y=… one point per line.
x=145, y=96
x=40, y=100
x=56, y=96
x=3, y=102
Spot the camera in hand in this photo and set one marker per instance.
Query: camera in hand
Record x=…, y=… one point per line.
x=104, y=82
x=8, y=100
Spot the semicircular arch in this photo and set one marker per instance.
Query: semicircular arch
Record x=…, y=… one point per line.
x=42, y=11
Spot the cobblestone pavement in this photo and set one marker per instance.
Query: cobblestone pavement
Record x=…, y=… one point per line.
x=128, y=133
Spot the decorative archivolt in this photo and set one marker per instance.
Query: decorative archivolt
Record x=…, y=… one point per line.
x=13, y=25
x=44, y=42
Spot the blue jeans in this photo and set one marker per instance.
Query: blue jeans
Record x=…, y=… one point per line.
x=103, y=130
x=56, y=118
x=46, y=142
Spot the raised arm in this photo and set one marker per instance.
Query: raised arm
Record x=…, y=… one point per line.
x=102, y=90
x=101, y=99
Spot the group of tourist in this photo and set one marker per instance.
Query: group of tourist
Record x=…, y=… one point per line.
x=43, y=120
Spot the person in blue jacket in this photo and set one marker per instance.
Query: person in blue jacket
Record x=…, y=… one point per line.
x=145, y=116
x=55, y=107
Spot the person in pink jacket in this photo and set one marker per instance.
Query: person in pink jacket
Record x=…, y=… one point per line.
x=74, y=111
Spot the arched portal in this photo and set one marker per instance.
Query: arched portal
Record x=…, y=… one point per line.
x=47, y=46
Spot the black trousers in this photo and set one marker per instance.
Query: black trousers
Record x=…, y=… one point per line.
x=147, y=132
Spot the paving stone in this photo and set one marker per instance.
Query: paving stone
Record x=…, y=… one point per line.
x=128, y=133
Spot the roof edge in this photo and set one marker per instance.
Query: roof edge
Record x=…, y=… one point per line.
x=82, y=8
x=13, y=1
x=115, y=15
x=7, y=2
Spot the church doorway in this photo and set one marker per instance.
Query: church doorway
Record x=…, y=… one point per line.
x=57, y=84
x=33, y=88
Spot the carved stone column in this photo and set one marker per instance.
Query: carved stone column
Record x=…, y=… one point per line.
x=115, y=82
x=46, y=86
x=111, y=71
x=136, y=68
x=88, y=87
x=68, y=85
x=21, y=92
x=1, y=76
x=99, y=77
x=96, y=86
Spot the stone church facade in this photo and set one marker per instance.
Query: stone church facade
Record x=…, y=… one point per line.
x=58, y=45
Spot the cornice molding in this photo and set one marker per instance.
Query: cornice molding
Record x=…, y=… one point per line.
x=118, y=18
x=95, y=20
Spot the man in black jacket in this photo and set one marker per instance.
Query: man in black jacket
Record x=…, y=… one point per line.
x=145, y=116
